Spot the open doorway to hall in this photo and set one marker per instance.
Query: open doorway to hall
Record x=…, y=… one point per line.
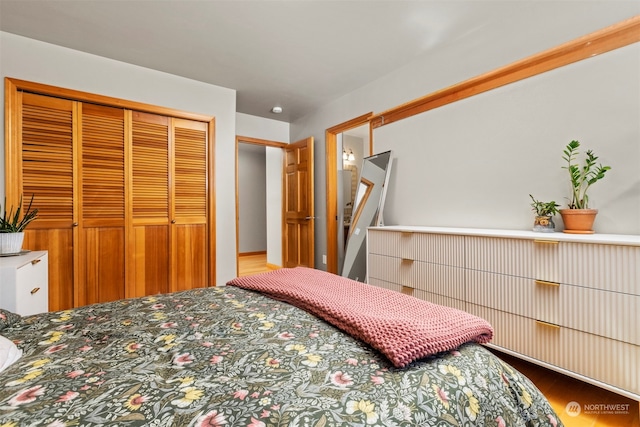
x=252, y=209
x=282, y=190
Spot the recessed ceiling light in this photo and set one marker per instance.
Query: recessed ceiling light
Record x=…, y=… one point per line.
x=276, y=110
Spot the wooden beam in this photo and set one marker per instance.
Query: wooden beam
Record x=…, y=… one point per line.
x=607, y=39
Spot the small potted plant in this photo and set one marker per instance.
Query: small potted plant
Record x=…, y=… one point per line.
x=12, y=227
x=578, y=218
x=544, y=215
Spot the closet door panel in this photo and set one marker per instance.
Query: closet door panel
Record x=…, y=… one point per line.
x=150, y=204
x=189, y=257
x=151, y=259
x=190, y=171
x=102, y=202
x=104, y=278
x=189, y=235
x=47, y=166
x=150, y=163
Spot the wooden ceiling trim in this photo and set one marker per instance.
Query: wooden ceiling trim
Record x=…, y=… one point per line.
x=607, y=39
x=77, y=95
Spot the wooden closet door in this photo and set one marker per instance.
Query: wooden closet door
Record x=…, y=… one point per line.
x=150, y=263
x=102, y=205
x=47, y=172
x=189, y=231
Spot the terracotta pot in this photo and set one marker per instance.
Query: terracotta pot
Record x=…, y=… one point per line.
x=578, y=221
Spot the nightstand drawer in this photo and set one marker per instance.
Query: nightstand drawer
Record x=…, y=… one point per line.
x=24, y=283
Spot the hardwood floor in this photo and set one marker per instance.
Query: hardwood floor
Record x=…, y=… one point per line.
x=558, y=388
x=253, y=264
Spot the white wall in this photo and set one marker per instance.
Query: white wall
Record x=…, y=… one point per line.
x=270, y=130
x=31, y=60
x=459, y=60
x=475, y=162
x=252, y=198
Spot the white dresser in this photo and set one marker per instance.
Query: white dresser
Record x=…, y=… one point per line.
x=568, y=302
x=24, y=283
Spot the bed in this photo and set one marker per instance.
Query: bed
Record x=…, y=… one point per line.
x=240, y=355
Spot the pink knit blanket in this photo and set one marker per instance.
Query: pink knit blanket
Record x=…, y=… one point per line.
x=401, y=327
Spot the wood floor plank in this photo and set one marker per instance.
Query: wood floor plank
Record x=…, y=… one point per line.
x=560, y=390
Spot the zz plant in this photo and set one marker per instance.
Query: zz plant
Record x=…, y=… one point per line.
x=582, y=176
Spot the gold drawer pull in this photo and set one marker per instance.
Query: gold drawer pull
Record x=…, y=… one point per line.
x=547, y=324
x=34, y=290
x=406, y=233
x=545, y=283
x=546, y=242
x=35, y=261
x=406, y=261
x=407, y=290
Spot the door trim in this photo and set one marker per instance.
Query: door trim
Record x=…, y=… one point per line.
x=331, y=159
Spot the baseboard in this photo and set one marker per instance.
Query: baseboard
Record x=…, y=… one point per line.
x=252, y=253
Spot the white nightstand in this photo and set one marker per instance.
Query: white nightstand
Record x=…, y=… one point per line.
x=24, y=283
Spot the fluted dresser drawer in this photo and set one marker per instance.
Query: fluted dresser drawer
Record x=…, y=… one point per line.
x=608, y=267
x=610, y=361
x=434, y=278
x=433, y=248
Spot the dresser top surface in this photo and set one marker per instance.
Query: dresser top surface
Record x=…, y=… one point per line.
x=612, y=239
x=20, y=260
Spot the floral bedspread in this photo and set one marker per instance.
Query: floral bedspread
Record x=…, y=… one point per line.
x=230, y=357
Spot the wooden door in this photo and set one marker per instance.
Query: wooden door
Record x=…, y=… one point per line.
x=101, y=225
x=299, y=220
x=149, y=265
x=189, y=205
x=45, y=155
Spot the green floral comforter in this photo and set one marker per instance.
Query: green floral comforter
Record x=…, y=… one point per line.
x=229, y=357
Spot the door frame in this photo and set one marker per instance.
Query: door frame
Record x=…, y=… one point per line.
x=254, y=141
x=331, y=160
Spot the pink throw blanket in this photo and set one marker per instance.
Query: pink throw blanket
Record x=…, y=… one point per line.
x=401, y=327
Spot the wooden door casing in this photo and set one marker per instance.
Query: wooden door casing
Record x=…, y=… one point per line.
x=299, y=221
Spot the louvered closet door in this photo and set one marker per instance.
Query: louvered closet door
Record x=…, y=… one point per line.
x=189, y=235
x=102, y=201
x=47, y=140
x=150, y=265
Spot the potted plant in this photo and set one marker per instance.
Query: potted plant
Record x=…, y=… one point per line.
x=12, y=227
x=578, y=218
x=544, y=215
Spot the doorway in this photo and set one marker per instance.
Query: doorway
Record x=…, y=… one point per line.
x=258, y=204
x=334, y=143
x=287, y=183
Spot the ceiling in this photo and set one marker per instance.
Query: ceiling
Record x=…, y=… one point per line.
x=297, y=54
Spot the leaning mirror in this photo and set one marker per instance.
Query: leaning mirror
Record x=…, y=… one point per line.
x=367, y=211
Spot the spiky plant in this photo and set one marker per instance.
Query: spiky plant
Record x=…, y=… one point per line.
x=15, y=222
x=582, y=178
x=544, y=208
